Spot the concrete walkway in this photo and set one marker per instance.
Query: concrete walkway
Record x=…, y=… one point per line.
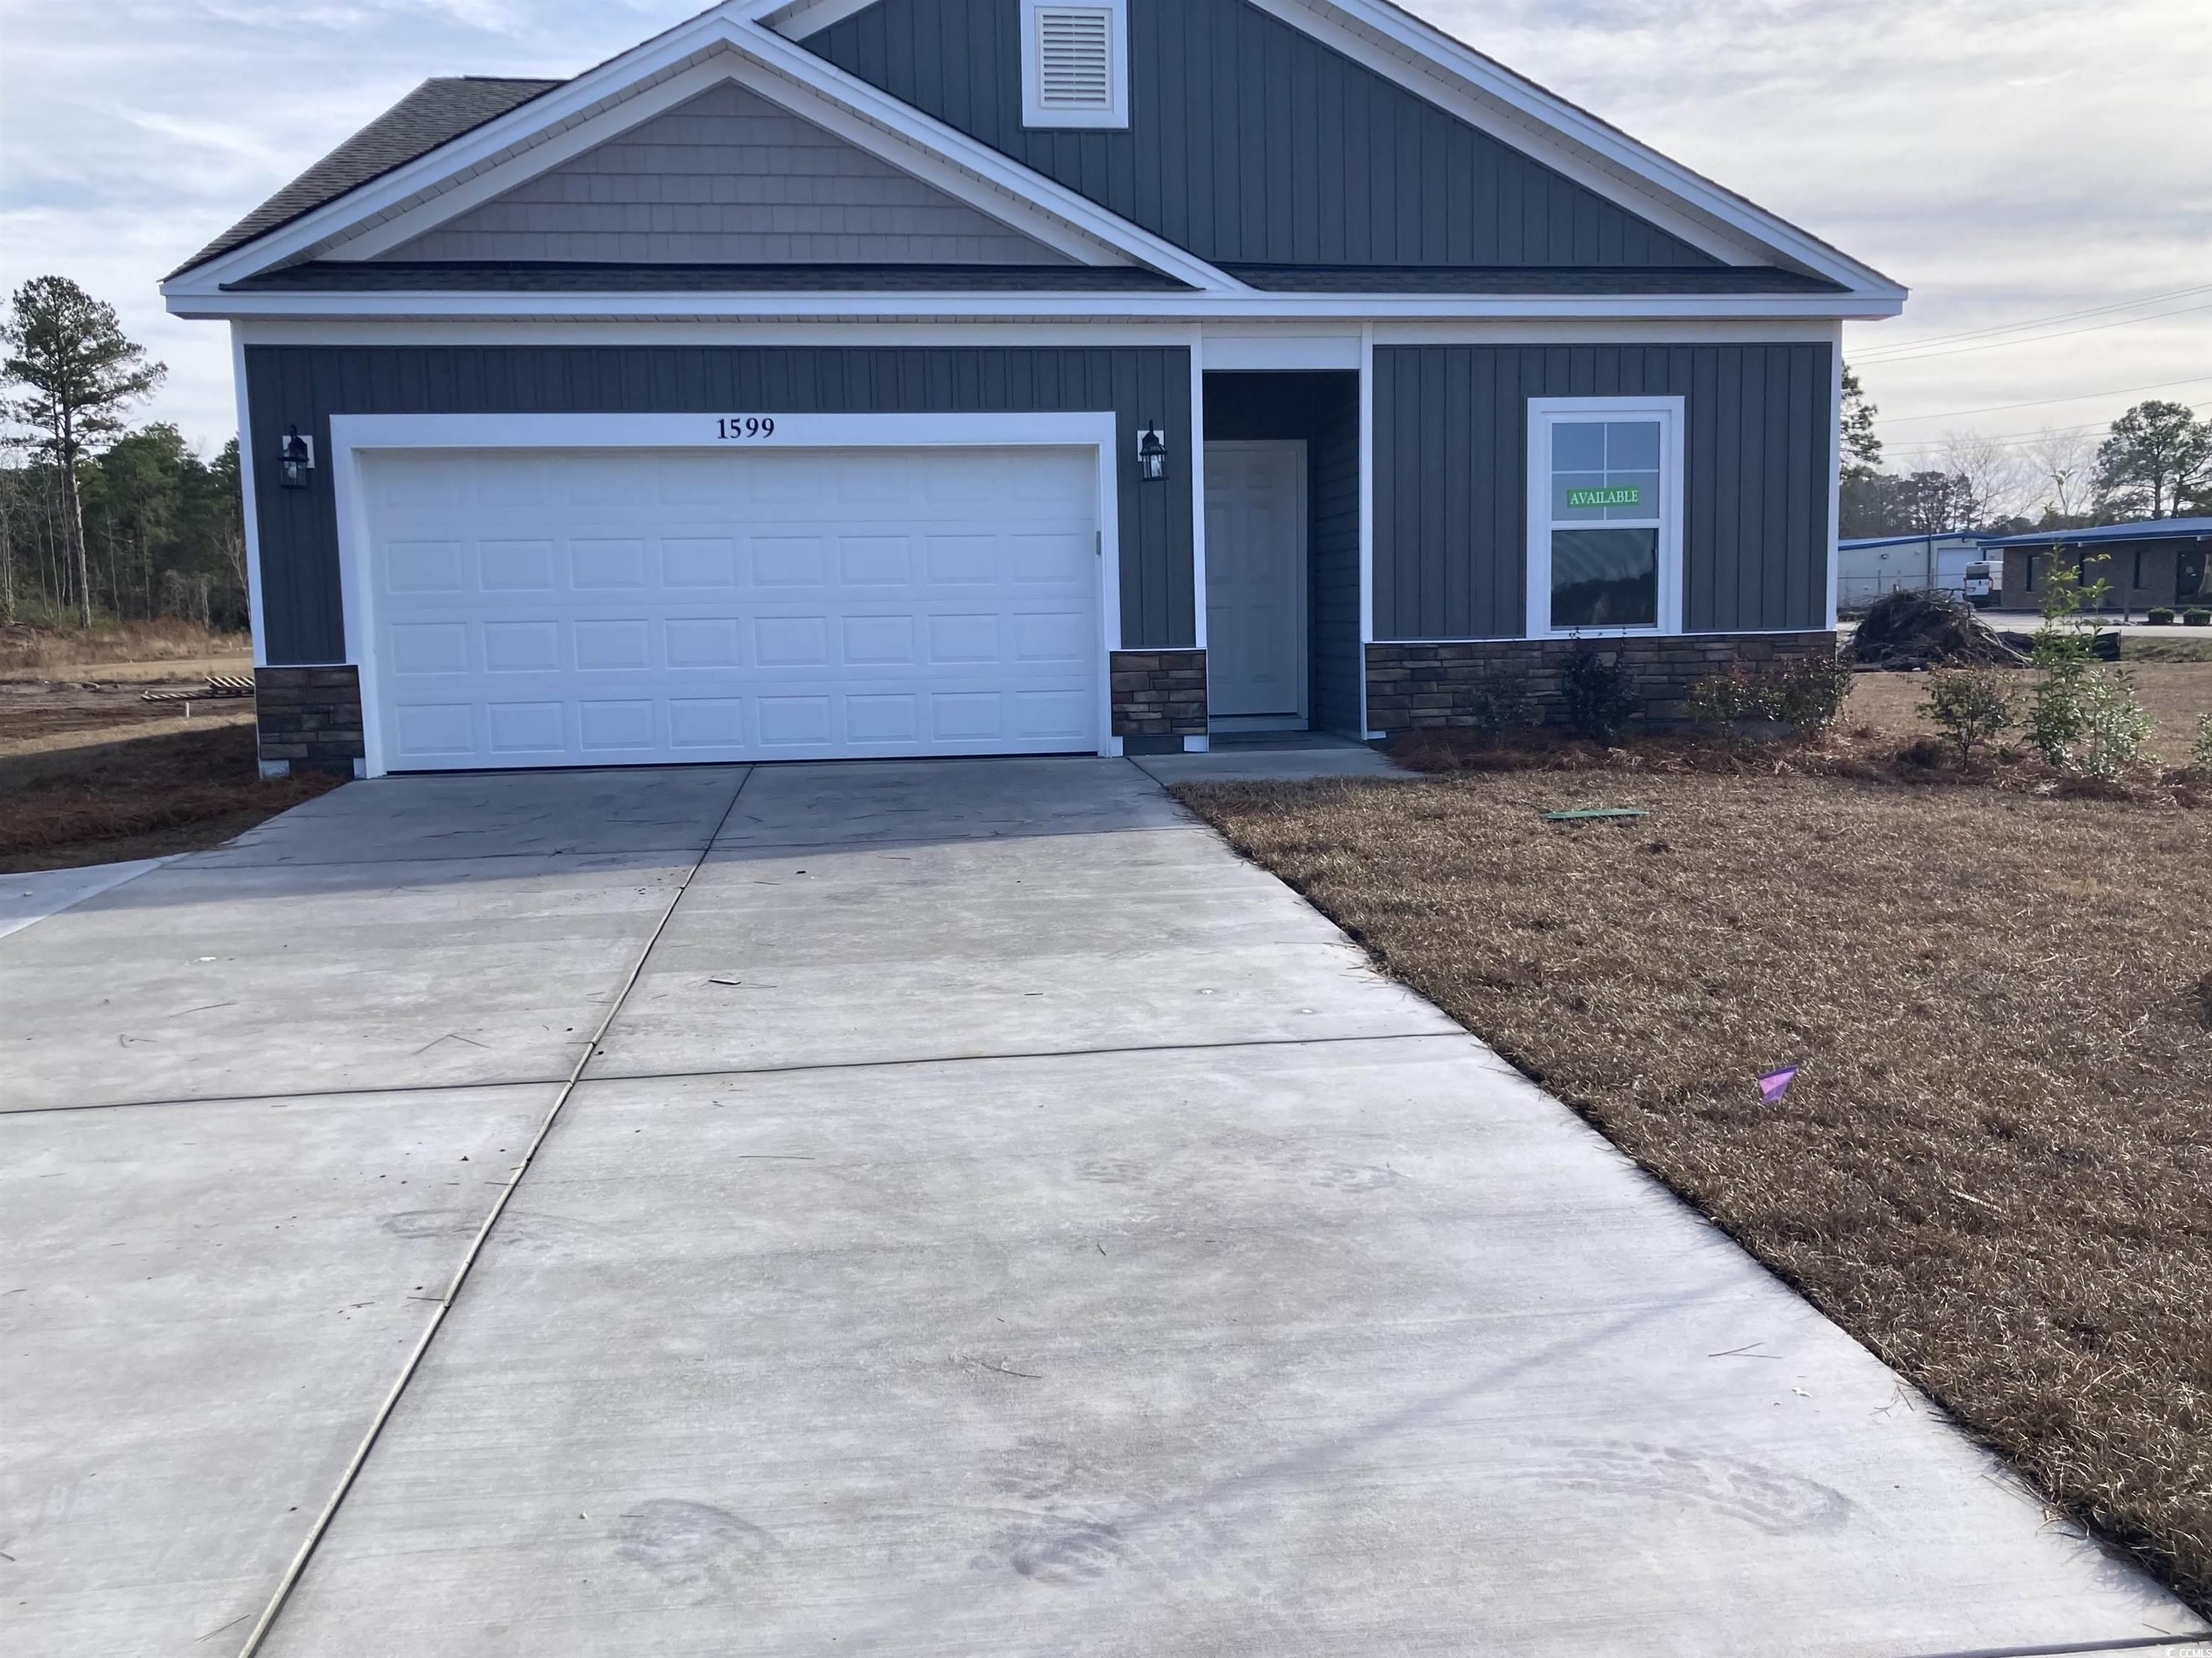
x=993, y=1220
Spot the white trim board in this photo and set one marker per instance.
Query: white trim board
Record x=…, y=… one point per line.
x=353, y=434
x=523, y=331
x=1418, y=310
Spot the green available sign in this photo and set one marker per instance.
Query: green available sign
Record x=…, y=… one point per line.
x=1624, y=495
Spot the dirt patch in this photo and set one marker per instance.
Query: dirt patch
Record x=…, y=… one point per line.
x=1992, y=1168
x=138, y=796
x=46, y=715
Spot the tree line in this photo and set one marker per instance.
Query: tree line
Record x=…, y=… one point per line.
x=97, y=519
x=2154, y=462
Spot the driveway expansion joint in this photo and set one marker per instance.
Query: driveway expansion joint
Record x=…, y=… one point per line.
x=306, y=1551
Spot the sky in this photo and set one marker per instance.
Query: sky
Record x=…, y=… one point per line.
x=2034, y=170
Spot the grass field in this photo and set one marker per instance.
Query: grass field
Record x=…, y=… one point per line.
x=1993, y=1168
x=2177, y=694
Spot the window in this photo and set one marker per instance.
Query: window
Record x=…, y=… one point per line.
x=1075, y=63
x=1605, y=515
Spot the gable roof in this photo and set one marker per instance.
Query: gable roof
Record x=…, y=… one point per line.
x=434, y=113
x=435, y=152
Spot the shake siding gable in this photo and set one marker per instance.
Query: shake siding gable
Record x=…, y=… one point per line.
x=1251, y=141
x=727, y=179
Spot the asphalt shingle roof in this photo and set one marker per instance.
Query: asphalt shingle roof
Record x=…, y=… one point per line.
x=434, y=113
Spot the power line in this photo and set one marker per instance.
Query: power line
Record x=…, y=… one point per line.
x=2038, y=322
x=2037, y=403
x=2012, y=439
x=2032, y=339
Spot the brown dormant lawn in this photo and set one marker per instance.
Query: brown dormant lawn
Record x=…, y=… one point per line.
x=1996, y=1168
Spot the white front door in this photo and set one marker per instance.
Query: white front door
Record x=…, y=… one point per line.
x=540, y=607
x=1255, y=584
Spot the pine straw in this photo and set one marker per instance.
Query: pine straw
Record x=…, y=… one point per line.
x=142, y=797
x=1995, y=1169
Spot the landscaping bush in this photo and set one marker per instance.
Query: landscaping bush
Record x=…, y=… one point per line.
x=2114, y=727
x=1501, y=702
x=2196, y=617
x=1725, y=698
x=1807, y=694
x=1969, y=705
x=1811, y=690
x=1599, y=693
x=2160, y=616
x=2200, y=752
x=2084, y=717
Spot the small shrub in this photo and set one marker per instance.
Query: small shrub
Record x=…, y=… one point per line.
x=1969, y=705
x=1724, y=698
x=1806, y=692
x=2200, y=760
x=2055, y=712
x=2196, y=617
x=2114, y=727
x=1501, y=702
x=1598, y=693
x=2160, y=616
x=1811, y=690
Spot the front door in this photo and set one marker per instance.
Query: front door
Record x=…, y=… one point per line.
x=1256, y=585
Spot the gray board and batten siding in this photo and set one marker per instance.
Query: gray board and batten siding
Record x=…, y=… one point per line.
x=302, y=609
x=727, y=178
x=1451, y=446
x=1251, y=140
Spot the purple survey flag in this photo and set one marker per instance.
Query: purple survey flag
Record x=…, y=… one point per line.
x=1776, y=1084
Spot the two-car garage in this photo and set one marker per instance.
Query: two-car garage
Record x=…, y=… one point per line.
x=667, y=594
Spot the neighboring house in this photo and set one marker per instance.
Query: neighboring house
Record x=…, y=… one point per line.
x=2161, y=561
x=1868, y=566
x=896, y=377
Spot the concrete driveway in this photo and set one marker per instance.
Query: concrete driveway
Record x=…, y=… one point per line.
x=980, y=1216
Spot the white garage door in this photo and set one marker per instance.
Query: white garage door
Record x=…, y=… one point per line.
x=633, y=606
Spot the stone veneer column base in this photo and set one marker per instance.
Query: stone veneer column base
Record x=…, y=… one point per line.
x=1159, y=698
x=1423, y=686
x=309, y=719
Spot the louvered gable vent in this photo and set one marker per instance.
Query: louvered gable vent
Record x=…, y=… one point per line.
x=1075, y=58
x=1075, y=64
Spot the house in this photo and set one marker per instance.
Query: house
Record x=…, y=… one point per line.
x=2160, y=561
x=1868, y=566
x=832, y=378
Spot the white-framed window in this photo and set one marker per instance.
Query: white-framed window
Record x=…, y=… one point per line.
x=1075, y=63
x=1605, y=515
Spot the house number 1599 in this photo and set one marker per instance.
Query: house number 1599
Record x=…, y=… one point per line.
x=736, y=428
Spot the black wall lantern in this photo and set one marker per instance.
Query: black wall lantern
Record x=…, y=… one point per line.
x=1152, y=454
x=297, y=454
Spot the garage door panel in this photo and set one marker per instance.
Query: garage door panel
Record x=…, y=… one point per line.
x=599, y=606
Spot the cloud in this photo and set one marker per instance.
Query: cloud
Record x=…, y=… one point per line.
x=2009, y=159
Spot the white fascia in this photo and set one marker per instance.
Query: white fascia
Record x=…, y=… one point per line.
x=795, y=20
x=1451, y=73
x=876, y=307
x=490, y=145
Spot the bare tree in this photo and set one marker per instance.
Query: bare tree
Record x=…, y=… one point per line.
x=2064, y=465
x=1992, y=480
x=67, y=353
